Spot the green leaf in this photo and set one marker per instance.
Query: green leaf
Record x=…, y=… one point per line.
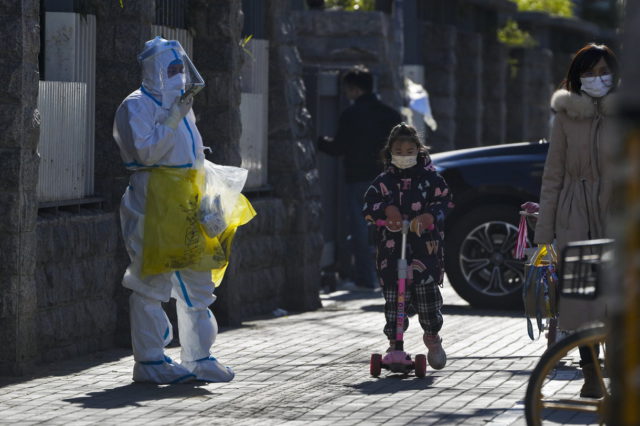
x=246, y=40
x=243, y=44
x=554, y=7
x=513, y=36
x=351, y=5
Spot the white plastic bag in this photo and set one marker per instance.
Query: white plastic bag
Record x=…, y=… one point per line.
x=223, y=184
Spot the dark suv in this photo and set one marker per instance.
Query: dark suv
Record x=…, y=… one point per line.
x=489, y=184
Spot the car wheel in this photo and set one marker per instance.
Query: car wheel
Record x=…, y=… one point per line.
x=479, y=257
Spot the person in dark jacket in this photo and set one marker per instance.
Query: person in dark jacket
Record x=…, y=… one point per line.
x=411, y=189
x=363, y=128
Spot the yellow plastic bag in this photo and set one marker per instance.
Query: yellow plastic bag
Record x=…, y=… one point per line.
x=173, y=236
x=540, y=287
x=241, y=215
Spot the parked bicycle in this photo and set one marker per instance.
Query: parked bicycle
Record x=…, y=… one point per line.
x=555, y=382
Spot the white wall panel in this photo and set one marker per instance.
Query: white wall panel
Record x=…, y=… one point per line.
x=254, y=111
x=253, y=141
x=70, y=56
x=62, y=146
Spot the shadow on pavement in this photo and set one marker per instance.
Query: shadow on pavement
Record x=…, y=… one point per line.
x=468, y=310
x=440, y=417
x=69, y=366
x=346, y=295
x=491, y=370
x=393, y=383
x=133, y=394
x=570, y=418
x=462, y=310
x=379, y=307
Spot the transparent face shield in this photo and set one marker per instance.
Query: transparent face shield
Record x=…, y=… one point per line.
x=169, y=70
x=188, y=74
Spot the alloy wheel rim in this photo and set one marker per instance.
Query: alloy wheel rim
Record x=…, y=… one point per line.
x=487, y=262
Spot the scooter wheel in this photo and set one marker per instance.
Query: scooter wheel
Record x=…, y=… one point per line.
x=375, y=366
x=421, y=365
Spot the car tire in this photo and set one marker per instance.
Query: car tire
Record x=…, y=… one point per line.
x=479, y=257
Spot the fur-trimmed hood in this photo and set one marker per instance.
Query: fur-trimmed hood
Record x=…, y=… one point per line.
x=582, y=106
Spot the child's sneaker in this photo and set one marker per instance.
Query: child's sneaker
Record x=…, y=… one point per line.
x=436, y=355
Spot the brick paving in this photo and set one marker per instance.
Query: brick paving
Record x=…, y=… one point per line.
x=309, y=368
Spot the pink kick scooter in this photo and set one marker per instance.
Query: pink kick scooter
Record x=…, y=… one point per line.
x=397, y=360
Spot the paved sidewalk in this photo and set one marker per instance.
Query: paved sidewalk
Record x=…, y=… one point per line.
x=301, y=369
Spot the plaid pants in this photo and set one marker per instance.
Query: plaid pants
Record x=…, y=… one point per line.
x=425, y=298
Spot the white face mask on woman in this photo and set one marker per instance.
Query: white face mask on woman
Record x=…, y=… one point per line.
x=597, y=87
x=404, y=161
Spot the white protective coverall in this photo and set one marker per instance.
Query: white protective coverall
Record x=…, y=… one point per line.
x=146, y=141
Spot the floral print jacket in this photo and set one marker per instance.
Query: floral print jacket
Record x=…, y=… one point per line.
x=416, y=190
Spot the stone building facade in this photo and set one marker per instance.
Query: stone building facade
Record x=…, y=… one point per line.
x=18, y=167
x=338, y=40
x=276, y=262
x=62, y=265
x=61, y=295
x=482, y=92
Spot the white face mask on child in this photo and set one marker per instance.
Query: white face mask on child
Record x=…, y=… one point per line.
x=404, y=161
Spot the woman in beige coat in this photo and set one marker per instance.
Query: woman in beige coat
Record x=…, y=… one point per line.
x=576, y=189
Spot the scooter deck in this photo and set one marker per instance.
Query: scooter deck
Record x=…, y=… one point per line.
x=399, y=368
x=398, y=362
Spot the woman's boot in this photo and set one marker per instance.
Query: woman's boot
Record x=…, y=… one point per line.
x=591, y=387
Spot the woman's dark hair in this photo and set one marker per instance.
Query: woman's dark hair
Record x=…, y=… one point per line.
x=403, y=132
x=359, y=77
x=585, y=59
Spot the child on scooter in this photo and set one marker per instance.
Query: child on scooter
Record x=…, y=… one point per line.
x=411, y=189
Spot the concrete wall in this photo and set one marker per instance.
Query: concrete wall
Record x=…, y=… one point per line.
x=275, y=262
x=529, y=91
x=340, y=40
x=440, y=63
x=80, y=254
x=292, y=161
x=255, y=283
x=18, y=171
x=77, y=274
x=469, y=89
x=495, y=70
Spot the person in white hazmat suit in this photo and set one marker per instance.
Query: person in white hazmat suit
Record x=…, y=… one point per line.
x=154, y=127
